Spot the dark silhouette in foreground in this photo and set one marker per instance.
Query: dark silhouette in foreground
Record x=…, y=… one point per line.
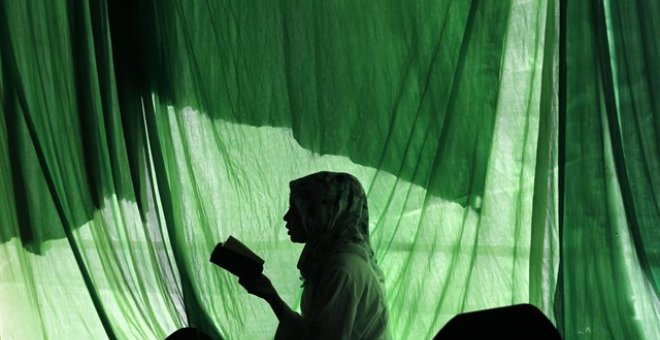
x=188, y=333
x=513, y=322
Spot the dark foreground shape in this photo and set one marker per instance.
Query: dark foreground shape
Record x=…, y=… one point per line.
x=188, y=333
x=513, y=322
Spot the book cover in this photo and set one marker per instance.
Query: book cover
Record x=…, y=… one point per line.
x=237, y=258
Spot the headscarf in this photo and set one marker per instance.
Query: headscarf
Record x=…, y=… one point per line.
x=335, y=218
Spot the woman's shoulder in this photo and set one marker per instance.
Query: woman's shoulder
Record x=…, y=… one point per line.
x=350, y=258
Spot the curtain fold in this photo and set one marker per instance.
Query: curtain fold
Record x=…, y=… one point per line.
x=80, y=257
x=495, y=140
x=610, y=162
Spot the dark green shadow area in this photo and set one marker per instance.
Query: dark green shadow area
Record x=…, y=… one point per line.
x=38, y=217
x=62, y=131
x=410, y=89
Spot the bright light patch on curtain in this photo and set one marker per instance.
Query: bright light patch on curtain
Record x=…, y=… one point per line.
x=118, y=248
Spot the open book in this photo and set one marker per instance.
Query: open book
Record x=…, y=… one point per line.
x=237, y=258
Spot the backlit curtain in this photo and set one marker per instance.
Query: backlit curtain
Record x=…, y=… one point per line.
x=509, y=150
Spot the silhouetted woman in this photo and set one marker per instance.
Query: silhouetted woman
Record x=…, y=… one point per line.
x=343, y=295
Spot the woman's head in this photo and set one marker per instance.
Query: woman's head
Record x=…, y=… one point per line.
x=327, y=211
x=327, y=204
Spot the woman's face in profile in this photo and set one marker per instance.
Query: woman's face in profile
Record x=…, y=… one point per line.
x=294, y=224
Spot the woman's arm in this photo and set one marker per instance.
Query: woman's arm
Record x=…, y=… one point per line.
x=291, y=325
x=279, y=307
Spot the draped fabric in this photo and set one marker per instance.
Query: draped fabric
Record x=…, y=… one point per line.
x=611, y=161
x=509, y=151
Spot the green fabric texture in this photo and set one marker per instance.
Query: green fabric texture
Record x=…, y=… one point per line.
x=611, y=171
x=508, y=149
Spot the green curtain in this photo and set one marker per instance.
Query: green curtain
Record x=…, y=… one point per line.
x=509, y=150
x=610, y=118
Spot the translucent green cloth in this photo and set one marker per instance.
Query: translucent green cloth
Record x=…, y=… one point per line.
x=509, y=150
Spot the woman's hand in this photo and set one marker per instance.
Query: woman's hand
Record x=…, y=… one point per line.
x=258, y=285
